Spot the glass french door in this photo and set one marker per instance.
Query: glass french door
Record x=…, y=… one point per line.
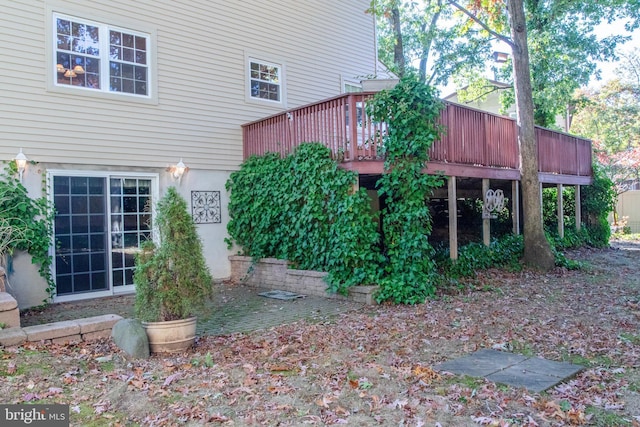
x=130, y=226
x=100, y=222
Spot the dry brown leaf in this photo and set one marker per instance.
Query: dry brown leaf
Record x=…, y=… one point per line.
x=279, y=389
x=171, y=378
x=324, y=402
x=140, y=384
x=576, y=418
x=341, y=411
x=425, y=373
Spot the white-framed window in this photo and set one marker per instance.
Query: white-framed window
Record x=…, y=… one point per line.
x=95, y=56
x=351, y=85
x=265, y=81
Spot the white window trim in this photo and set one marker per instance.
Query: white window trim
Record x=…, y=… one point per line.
x=57, y=9
x=283, y=88
x=155, y=194
x=344, y=81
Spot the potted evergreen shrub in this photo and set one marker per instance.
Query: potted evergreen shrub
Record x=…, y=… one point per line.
x=172, y=279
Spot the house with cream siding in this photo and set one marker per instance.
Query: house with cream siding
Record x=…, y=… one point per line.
x=112, y=99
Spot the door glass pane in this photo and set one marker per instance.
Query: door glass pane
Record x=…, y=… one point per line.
x=130, y=201
x=81, y=251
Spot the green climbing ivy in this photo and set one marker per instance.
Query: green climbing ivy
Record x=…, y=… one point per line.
x=303, y=208
x=30, y=221
x=411, y=110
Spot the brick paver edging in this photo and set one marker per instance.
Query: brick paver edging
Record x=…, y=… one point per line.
x=69, y=331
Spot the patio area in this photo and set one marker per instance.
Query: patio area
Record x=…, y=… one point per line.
x=233, y=308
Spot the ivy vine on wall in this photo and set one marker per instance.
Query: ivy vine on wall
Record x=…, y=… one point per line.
x=303, y=208
x=29, y=221
x=411, y=110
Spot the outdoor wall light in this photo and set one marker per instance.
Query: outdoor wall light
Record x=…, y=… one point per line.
x=21, y=163
x=178, y=170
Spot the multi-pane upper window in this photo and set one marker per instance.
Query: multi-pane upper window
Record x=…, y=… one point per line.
x=265, y=81
x=101, y=57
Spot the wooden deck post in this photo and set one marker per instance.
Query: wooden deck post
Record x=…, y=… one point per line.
x=486, y=222
x=515, y=206
x=453, y=218
x=560, y=212
x=578, y=209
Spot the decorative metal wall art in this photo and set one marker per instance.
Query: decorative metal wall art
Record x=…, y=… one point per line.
x=206, y=207
x=493, y=202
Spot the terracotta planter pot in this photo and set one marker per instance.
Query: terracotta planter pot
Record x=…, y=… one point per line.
x=172, y=336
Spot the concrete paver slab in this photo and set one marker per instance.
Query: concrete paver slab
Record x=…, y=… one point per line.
x=550, y=367
x=533, y=373
x=517, y=377
x=481, y=363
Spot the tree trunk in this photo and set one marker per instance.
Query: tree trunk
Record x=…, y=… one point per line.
x=398, y=50
x=537, y=251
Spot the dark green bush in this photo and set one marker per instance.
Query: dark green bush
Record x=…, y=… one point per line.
x=504, y=252
x=597, y=201
x=550, y=206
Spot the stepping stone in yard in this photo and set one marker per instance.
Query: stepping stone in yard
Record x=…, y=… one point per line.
x=533, y=373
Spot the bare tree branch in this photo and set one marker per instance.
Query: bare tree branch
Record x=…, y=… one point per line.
x=477, y=20
x=491, y=89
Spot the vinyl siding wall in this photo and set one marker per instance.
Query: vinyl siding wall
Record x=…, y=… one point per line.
x=199, y=101
x=201, y=48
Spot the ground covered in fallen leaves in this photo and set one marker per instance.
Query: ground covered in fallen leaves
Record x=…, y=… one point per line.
x=374, y=366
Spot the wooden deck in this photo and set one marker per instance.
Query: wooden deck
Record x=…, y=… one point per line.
x=476, y=144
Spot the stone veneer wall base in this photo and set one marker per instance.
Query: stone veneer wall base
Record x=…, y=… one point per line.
x=272, y=273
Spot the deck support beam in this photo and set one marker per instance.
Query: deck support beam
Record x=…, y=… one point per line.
x=515, y=206
x=453, y=218
x=486, y=222
x=578, y=209
x=560, y=212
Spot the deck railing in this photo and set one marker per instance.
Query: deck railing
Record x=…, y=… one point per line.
x=472, y=137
